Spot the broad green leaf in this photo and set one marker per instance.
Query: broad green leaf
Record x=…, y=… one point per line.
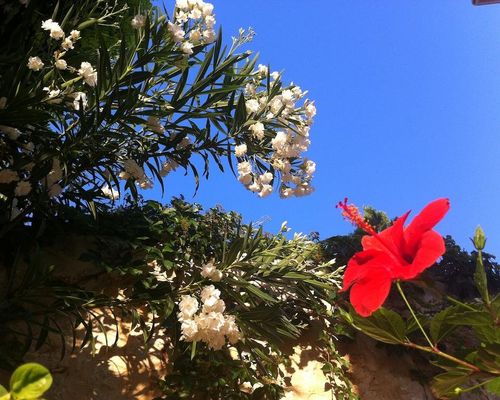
x=3, y=392
x=383, y=325
x=448, y=384
x=493, y=386
x=488, y=358
x=439, y=326
x=30, y=381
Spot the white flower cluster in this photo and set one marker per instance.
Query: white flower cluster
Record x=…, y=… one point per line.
x=211, y=272
x=86, y=71
x=287, y=144
x=210, y=325
x=201, y=31
x=132, y=170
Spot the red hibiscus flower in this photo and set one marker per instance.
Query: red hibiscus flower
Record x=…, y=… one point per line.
x=393, y=254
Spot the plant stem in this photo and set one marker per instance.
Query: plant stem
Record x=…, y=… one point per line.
x=400, y=289
x=457, y=302
x=438, y=352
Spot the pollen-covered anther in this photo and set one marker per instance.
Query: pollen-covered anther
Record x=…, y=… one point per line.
x=352, y=213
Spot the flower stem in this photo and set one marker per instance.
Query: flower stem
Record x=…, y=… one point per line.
x=438, y=352
x=400, y=289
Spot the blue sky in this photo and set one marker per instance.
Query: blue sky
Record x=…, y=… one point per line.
x=408, y=98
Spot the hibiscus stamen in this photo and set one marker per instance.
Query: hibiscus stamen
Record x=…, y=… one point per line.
x=352, y=214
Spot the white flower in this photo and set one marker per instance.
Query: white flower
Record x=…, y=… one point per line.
x=254, y=187
x=286, y=192
x=187, y=48
x=188, y=306
x=252, y=106
x=189, y=329
x=8, y=176
x=75, y=35
x=195, y=13
x=61, y=64
x=52, y=92
x=209, y=271
x=279, y=141
x=22, y=188
x=124, y=175
x=288, y=97
x=55, y=173
x=213, y=321
x=35, y=63
x=139, y=21
x=276, y=105
x=145, y=183
x=244, y=168
x=309, y=167
x=182, y=4
x=265, y=191
x=133, y=169
x=176, y=31
x=218, y=306
x=266, y=177
x=195, y=35
x=55, y=30
x=88, y=73
x=168, y=166
x=79, y=98
x=240, y=150
x=207, y=9
x=110, y=192
x=210, y=21
x=231, y=329
x=262, y=70
x=55, y=190
x=154, y=124
x=210, y=292
x=245, y=179
x=310, y=109
x=250, y=89
x=209, y=35
x=257, y=130
x=275, y=75
x=67, y=44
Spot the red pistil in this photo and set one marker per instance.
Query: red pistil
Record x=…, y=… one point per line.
x=352, y=213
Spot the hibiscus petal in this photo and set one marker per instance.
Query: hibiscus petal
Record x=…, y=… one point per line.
x=356, y=268
x=423, y=222
x=368, y=294
x=391, y=239
x=430, y=248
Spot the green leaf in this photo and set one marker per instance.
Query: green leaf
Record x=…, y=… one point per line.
x=439, y=326
x=448, y=384
x=30, y=381
x=3, y=392
x=493, y=386
x=383, y=325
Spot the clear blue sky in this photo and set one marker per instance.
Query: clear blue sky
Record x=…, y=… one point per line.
x=408, y=98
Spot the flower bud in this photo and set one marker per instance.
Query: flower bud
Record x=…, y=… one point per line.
x=479, y=239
